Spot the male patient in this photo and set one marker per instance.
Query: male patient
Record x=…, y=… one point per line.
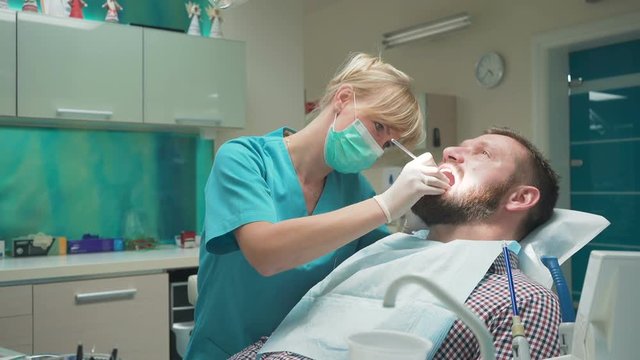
x=502, y=188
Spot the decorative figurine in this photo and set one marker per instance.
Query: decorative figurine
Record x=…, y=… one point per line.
x=30, y=6
x=4, y=4
x=213, y=11
x=112, y=11
x=54, y=7
x=76, y=9
x=193, y=10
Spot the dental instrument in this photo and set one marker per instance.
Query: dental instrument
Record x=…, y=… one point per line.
x=477, y=327
x=521, y=350
x=406, y=151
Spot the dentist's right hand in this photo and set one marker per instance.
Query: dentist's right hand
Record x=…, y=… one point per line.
x=418, y=178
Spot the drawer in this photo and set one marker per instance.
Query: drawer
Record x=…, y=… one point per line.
x=15, y=300
x=15, y=333
x=131, y=313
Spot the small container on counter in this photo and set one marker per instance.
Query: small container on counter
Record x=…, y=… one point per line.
x=93, y=243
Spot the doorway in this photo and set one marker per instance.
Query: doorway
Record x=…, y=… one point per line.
x=553, y=129
x=604, y=131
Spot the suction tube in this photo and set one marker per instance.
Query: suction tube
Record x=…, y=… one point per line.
x=566, y=302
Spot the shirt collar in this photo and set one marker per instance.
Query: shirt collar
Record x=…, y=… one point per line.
x=500, y=266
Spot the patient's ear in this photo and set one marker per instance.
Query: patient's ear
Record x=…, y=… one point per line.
x=522, y=198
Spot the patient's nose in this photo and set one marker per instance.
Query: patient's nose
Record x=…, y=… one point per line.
x=453, y=154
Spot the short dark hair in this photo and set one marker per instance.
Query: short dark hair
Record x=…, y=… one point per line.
x=537, y=172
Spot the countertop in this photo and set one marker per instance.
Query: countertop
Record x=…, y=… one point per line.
x=48, y=268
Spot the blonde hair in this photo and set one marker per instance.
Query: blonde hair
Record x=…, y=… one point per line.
x=387, y=90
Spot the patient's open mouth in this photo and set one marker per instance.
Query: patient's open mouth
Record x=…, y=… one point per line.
x=449, y=175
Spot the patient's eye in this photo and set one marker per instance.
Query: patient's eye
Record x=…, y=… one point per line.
x=378, y=126
x=482, y=152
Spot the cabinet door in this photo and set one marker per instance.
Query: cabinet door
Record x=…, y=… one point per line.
x=7, y=63
x=131, y=313
x=15, y=318
x=77, y=69
x=440, y=120
x=193, y=80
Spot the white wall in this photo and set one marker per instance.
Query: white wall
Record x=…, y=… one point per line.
x=273, y=31
x=446, y=65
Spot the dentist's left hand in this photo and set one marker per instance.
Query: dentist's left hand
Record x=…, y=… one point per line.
x=418, y=178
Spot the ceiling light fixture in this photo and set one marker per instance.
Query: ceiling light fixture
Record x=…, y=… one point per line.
x=427, y=29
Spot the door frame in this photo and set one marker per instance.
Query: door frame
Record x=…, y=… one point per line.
x=550, y=66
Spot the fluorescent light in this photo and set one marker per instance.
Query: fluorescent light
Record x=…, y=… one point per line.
x=427, y=29
x=603, y=96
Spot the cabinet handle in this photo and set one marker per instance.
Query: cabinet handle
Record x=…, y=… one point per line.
x=105, y=296
x=93, y=114
x=198, y=122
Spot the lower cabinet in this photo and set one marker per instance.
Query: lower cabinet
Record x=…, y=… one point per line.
x=15, y=318
x=130, y=313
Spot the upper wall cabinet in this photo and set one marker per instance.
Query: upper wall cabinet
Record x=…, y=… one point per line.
x=76, y=69
x=7, y=63
x=191, y=80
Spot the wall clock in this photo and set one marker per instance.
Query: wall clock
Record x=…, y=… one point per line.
x=490, y=69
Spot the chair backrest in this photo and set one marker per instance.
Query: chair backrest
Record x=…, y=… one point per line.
x=192, y=289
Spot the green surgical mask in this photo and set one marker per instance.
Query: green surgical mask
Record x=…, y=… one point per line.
x=352, y=149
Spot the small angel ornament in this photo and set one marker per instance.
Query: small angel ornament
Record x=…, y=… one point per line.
x=213, y=11
x=193, y=10
x=112, y=11
x=76, y=8
x=30, y=6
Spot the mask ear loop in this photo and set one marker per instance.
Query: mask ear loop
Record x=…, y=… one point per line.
x=355, y=113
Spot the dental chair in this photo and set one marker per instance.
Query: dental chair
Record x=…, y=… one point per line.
x=182, y=330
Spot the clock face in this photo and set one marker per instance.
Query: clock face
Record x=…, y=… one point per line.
x=490, y=69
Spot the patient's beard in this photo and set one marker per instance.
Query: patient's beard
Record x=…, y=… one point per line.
x=472, y=207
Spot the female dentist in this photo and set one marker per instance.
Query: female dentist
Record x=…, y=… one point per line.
x=286, y=208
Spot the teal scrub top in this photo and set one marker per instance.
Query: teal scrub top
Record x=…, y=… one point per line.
x=253, y=179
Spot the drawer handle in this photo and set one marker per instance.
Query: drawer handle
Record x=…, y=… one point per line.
x=92, y=114
x=198, y=122
x=105, y=296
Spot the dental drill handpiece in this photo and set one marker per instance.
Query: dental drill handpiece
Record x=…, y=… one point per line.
x=406, y=151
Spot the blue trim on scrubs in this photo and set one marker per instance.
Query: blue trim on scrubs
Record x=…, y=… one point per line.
x=253, y=179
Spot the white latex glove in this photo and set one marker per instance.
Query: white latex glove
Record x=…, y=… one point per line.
x=418, y=178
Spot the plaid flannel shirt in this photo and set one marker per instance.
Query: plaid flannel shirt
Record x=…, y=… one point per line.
x=490, y=300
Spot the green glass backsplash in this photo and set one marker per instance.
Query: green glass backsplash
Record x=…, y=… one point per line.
x=71, y=182
x=169, y=14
